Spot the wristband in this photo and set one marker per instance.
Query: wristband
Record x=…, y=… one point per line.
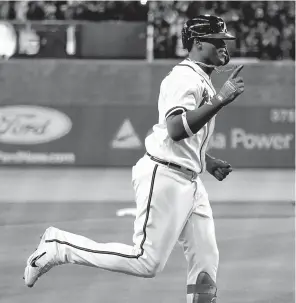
x=217, y=100
x=186, y=126
x=230, y=88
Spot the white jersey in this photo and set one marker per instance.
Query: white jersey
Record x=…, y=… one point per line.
x=186, y=87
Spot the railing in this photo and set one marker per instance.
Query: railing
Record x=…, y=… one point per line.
x=89, y=40
x=70, y=39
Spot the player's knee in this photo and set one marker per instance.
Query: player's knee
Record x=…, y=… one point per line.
x=152, y=270
x=150, y=274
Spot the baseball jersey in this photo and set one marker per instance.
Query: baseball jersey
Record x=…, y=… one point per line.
x=186, y=87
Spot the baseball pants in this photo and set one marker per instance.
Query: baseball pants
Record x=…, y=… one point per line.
x=171, y=208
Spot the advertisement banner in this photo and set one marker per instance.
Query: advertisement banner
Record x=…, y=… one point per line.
x=73, y=135
x=42, y=40
x=255, y=137
x=34, y=135
x=258, y=137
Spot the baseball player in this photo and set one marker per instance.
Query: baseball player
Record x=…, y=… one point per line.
x=172, y=203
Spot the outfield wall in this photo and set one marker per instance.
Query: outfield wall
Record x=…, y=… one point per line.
x=98, y=113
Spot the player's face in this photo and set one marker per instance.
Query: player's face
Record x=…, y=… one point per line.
x=215, y=51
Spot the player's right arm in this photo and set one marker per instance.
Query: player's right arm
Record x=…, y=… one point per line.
x=184, y=125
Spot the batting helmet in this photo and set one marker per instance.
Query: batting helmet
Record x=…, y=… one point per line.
x=204, y=26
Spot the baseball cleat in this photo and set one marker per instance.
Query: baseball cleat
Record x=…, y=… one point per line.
x=41, y=261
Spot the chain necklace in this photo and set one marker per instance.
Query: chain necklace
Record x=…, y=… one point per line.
x=217, y=70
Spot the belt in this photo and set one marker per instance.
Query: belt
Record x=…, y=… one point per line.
x=189, y=172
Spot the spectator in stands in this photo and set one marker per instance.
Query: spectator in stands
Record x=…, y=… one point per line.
x=21, y=8
x=61, y=7
x=7, y=11
x=265, y=29
x=162, y=43
x=50, y=10
x=35, y=10
x=271, y=43
x=287, y=44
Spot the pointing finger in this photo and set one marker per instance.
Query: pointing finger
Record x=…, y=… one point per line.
x=236, y=71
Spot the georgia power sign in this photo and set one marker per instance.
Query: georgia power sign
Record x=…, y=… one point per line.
x=28, y=124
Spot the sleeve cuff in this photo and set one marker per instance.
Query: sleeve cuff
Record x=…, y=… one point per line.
x=182, y=109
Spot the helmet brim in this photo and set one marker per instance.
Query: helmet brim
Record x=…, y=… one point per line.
x=224, y=36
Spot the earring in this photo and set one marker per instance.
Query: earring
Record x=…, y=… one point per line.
x=197, y=42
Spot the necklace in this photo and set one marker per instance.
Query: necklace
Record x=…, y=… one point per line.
x=217, y=70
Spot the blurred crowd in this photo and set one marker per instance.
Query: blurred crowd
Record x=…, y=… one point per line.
x=73, y=10
x=264, y=29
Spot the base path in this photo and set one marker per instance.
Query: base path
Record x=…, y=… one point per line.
x=256, y=244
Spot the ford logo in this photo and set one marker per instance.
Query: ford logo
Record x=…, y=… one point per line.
x=32, y=124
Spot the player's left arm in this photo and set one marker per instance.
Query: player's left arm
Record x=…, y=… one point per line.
x=218, y=168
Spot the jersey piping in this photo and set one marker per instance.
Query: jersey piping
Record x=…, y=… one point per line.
x=210, y=85
x=113, y=252
x=207, y=128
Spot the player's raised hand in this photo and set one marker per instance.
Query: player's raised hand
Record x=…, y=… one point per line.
x=232, y=88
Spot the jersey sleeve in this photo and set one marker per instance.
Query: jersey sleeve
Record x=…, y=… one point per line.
x=180, y=95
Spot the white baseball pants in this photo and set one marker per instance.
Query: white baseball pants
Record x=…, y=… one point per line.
x=170, y=208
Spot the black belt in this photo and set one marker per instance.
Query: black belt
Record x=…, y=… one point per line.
x=192, y=174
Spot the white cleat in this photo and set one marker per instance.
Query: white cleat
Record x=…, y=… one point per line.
x=41, y=261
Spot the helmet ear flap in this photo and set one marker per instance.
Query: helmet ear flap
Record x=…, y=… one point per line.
x=185, y=39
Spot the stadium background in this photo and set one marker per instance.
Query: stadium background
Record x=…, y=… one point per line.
x=79, y=83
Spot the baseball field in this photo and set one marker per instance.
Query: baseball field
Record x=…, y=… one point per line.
x=255, y=226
